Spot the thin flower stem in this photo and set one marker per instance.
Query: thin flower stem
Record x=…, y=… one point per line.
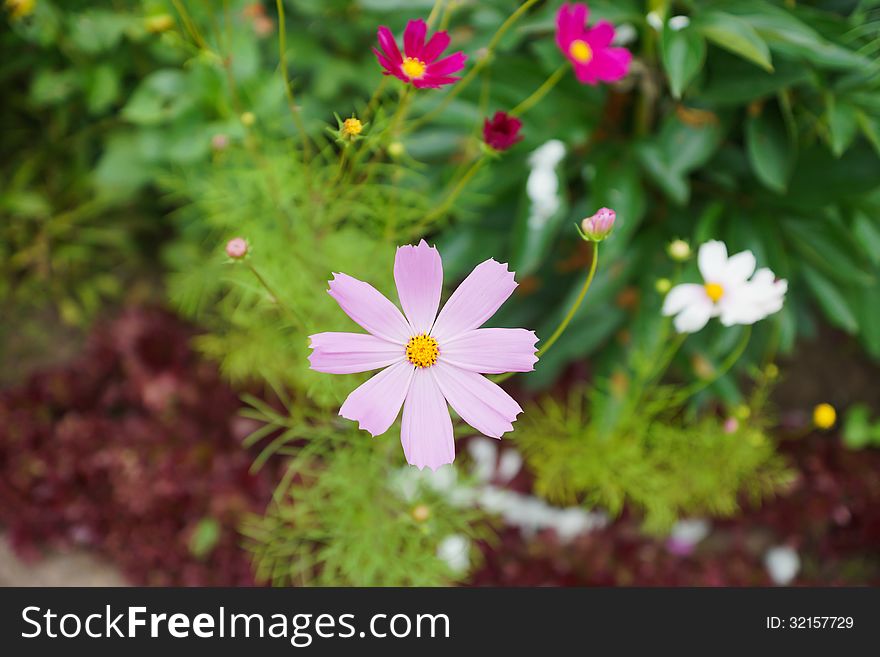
x=275, y=297
x=728, y=363
x=469, y=77
x=441, y=209
x=577, y=303
x=288, y=89
x=569, y=316
x=190, y=25
x=540, y=92
x=435, y=11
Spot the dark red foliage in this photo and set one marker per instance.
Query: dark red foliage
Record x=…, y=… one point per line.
x=831, y=516
x=126, y=451
x=502, y=131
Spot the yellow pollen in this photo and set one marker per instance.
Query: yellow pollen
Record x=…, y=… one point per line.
x=422, y=350
x=580, y=51
x=352, y=127
x=714, y=291
x=414, y=68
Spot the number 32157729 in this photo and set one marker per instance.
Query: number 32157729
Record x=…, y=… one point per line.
x=810, y=622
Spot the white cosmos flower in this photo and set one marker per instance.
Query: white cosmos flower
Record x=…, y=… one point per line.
x=726, y=291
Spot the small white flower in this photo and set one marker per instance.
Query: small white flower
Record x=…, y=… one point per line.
x=783, y=564
x=677, y=23
x=455, y=551
x=655, y=20
x=726, y=291
x=624, y=35
x=548, y=155
x=509, y=465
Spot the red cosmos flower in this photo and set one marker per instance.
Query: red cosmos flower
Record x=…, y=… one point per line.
x=419, y=66
x=502, y=131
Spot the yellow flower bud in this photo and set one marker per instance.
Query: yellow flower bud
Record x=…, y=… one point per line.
x=248, y=119
x=824, y=416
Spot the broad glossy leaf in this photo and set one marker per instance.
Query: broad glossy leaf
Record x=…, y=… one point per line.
x=832, y=302
x=683, y=53
x=842, y=124
x=770, y=149
x=736, y=35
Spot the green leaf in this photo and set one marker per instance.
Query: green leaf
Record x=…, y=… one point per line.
x=867, y=303
x=770, y=150
x=683, y=53
x=857, y=427
x=788, y=35
x=736, y=35
x=821, y=244
x=204, y=538
x=162, y=96
x=842, y=124
x=102, y=88
x=98, y=30
x=867, y=234
x=833, y=303
x=870, y=127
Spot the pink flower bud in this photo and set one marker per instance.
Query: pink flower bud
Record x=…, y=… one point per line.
x=237, y=248
x=599, y=226
x=219, y=142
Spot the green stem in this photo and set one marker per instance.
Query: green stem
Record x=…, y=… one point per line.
x=540, y=92
x=275, y=297
x=288, y=89
x=469, y=77
x=441, y=209
x=728, y=363
x=569, y=316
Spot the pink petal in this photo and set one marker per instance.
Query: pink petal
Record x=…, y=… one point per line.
x=612, y=64
x=601, y=35
x=436, y=45
x=418, y=272
x=426, y=431
x=492, y=350
x=414, y=38
x=479, y=402
x=477, y=298
x=585, y=73
x=433, y=82
x=389, y=45
x=390, y=69
x=369, y=308
x=346, y=353
x=374, y=405
x=570, y=24
x=447, y=65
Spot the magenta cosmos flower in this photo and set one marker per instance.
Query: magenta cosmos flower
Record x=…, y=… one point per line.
x=418, y=64
x=589, y=49
x=428, y=359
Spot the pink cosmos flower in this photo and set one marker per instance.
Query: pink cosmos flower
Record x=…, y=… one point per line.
x=589, y=49
x=428, y=359
x=419, y=65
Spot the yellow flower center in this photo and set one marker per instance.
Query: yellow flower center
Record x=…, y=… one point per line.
x=414, y=68
x=422, y=350
x=580, y=51
x=352, y=127
x=714, y=291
